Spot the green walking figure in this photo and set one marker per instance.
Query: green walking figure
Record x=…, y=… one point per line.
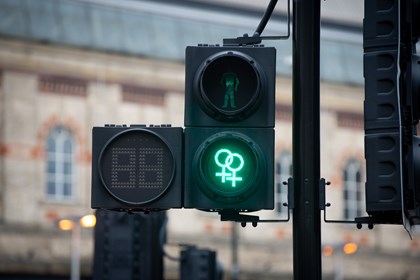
x=230, y=81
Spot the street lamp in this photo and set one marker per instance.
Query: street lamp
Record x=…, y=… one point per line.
x=350, y=248
x=88, y=221
x=75, y=224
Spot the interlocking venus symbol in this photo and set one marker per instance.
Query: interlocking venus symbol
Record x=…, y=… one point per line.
x=227, y=164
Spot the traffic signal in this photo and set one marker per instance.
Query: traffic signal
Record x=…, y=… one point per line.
x=410, y=96
x=137, y=167
x=391, y=70
x=229, y=86
x=229, y=127
x=129, y=247
x=200, y=264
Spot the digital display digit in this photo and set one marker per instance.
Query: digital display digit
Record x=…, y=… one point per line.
x=123, y=171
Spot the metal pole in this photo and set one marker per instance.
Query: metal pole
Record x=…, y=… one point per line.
x=75, y=251
x=234, y=246
x=338, y=264
x=306, y=140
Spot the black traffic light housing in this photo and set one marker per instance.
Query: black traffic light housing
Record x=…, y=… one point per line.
x=137, y=168
x=410, y=96
x=229, y=127
x=129, y=246
x=207, y=185
x=392, y=109
x=209, y=72
x=200, y=264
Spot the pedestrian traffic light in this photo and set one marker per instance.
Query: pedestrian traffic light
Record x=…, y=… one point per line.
x=229, y=128
x=392, y=110
x=137, y=168
x=229, y=86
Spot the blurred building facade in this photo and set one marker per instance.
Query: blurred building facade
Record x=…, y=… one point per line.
x=66, y=66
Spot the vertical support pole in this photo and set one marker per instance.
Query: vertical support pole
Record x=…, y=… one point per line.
x=306, y=140
x=234, y=275
x=75, y=250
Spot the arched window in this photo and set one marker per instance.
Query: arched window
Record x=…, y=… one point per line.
x=283, y=172
x=60, y=164
x=352, y=176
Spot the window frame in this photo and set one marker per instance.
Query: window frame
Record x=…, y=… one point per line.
x=60, y=165
x=352, y=189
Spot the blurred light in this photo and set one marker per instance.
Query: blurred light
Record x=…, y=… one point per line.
x=328, y=251
x=88, y=221
x=65, y=224
x=350, y=248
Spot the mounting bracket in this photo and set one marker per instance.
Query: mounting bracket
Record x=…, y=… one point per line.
x=237, y=216
x=359, y=221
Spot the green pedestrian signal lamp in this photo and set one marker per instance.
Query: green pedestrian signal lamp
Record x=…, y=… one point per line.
x=228, y=167
x=227, y=163
x=229, y=128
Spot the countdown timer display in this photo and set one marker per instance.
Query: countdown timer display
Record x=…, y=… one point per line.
x=136, y=166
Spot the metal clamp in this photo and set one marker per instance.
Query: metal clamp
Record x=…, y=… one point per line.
x=236, y=216
x=359, y=221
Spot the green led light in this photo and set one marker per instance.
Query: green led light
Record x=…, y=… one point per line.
x=233, y=162
x=228, y=166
